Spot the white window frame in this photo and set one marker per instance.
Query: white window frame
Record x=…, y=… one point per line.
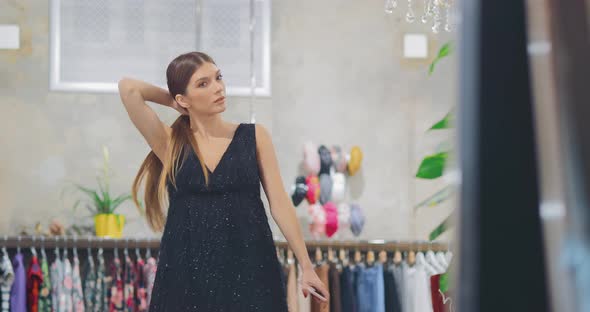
x=57, y=84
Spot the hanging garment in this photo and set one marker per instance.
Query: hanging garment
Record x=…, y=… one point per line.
x=446, y=292
x=334, y=281
x=58, y=299
x=149, y=273
x=34, y=280
x=101, y=298
x=322, y=272
x=392, y=296
x=304, y=303
x=129, y=280
x=423, y=298
x=347, y=290
x=437, y=299
x=141, y=295
x=398, y=275
x=67, y=285
x=409, y=287
x=18, y=292
x=292, y=302
x=6, y=280
x=217, y=251
x=116, y=303
x=370, y=291
x=77, y=293
x=45, y=290
x=90, y=287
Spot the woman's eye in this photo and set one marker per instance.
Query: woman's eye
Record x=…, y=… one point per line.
x=220, y=77
x=202, y=84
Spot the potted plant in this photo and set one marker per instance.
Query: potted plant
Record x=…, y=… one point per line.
x=102, y=205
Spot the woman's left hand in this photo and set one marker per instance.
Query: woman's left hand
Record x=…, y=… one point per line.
x=310, y=279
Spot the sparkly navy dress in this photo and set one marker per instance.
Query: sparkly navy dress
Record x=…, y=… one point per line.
x=217, y=251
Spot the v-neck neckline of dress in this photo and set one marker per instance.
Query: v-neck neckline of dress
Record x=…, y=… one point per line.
x=224, y=153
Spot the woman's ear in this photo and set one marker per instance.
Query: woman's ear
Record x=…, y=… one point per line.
x=181, y=101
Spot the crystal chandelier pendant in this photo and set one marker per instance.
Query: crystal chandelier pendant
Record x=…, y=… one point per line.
x=389, y=6
x=410, y=17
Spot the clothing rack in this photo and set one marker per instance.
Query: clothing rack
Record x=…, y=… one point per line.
x=143, y=243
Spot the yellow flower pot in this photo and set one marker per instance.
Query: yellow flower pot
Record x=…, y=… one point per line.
x=109, y=225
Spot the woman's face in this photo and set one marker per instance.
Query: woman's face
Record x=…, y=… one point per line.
x=205, y=92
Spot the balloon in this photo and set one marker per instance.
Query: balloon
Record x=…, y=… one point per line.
x=313, y=189
x=338, y=159
x=325, y=188
x=356, y=157
x=357, y=219
x=317, y=224
x=325, y=159
x=338, y=187
x=344, y=214
x=299, y=192
x=331, y=218
x=311, y=159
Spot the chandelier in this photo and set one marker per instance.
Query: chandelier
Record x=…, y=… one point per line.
x=441, y=14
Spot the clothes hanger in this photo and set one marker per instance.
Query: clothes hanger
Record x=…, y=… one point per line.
x=99, y=254
x=56, y=251
x=43, y=254
x=449, y=256
x=421, y=260
x=89, y=252
x=280, y=257
x=440, y=256
x=65, y=253
x=148, y=254
x=100, y=257
x=411, y=259
x=358, y=258
x=18, y=244
x=33, y=250
x=331, y=258
x=433, y=261
x=343, y=256
x=4, y=252
x=318, y=256
x=75, y=246
x=137, y=253
x=126, y=250
x=116, y=251
x=383, y=257
x=397, y=256
x=370, y=257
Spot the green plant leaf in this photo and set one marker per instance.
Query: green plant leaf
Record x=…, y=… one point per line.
x=431, y=67
x=92, y=193
x=441, y=228
x=436, y=198
x=443, y=52
x=445, y=123
x=119, y=200
x=432, y=166
x=444, y=282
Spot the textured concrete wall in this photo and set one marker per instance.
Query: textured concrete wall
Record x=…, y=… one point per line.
x=337, y=78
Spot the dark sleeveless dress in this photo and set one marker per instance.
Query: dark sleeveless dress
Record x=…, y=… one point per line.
x=217, y=251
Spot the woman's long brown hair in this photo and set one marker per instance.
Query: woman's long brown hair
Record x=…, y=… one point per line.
x=178, y=75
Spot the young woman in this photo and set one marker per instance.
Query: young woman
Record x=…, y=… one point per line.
x=217, y=251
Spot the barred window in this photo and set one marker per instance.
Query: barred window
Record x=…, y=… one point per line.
x=96, y=42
